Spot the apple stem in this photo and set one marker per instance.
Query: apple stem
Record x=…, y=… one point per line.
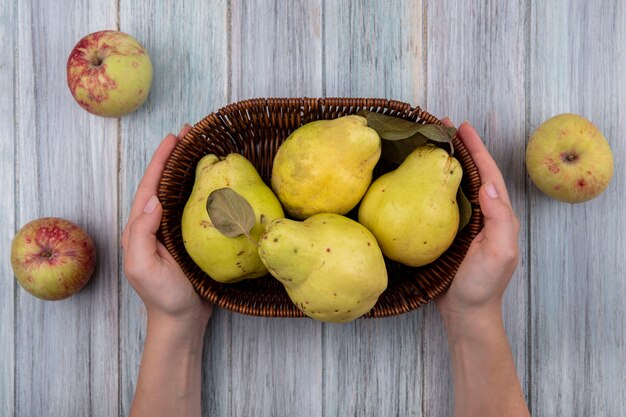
x=46, y=254
x=96, y=60
x=569, y=157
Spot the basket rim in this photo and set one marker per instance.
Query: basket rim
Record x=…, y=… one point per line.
x=296, y=110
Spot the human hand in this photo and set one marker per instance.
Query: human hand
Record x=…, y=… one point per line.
x=166, y=292
x=482, y=277
x=484, y=373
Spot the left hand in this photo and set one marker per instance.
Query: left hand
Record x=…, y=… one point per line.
x=151, y=270
x=479, y=285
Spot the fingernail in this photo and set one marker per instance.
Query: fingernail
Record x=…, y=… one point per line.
x=491, y=190
x=151, y=204
x=184, y=127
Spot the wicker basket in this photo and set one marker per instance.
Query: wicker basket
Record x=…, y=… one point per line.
x=255, y=129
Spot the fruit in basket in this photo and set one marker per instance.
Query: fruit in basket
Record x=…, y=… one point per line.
x=223, y=258
x=52, y=258
x=109, y=73
x=569, y=159
x=330, y=265
x=325, y=166
x=412, y=210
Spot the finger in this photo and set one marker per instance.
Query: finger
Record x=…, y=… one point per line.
x=150, y=181
x=148, y=185
x=447, y=122
x=142, y=241
x=152, y=176
x=183, y=132
x=499, y=221
x=487, y=167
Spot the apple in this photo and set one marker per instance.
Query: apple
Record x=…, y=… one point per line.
x=52, y=258
x=569, y=159
x=109, y=73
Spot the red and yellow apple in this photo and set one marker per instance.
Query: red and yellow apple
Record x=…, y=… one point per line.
x=52, y=258
x=569, y=159
x=109, y=73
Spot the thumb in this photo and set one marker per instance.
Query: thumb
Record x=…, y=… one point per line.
x=142, y=241
x=500, y=230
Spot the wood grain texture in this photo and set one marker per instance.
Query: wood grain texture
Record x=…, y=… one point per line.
x=66, y=351
x=374, y=49
x=504, y=67
x=187, y=43
x=476, y=72
x=577, y=258
x=275, y=48
x=374, y=367
x=276, y=364
x=8, y=285
x=217, y=365
x=276, y=367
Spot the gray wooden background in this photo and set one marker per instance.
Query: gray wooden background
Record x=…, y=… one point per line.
x=504, y=66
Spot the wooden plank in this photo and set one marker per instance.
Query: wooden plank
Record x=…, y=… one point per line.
x=276, y=49
x=67, y=356
x=577, y=256
x=374, y=49
x=276, y=363
x=374, y=367
x=476, y=73
x=7, y=209
x=188, y=44
x=276, y=366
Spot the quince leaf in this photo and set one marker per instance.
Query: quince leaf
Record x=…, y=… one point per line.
x=396, y=151
x=400, y=137
x=465, y=209
x=230, y=213
x=439, y=134
x=390, y=127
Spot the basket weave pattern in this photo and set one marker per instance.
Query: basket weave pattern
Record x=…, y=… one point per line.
x=255, y=129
